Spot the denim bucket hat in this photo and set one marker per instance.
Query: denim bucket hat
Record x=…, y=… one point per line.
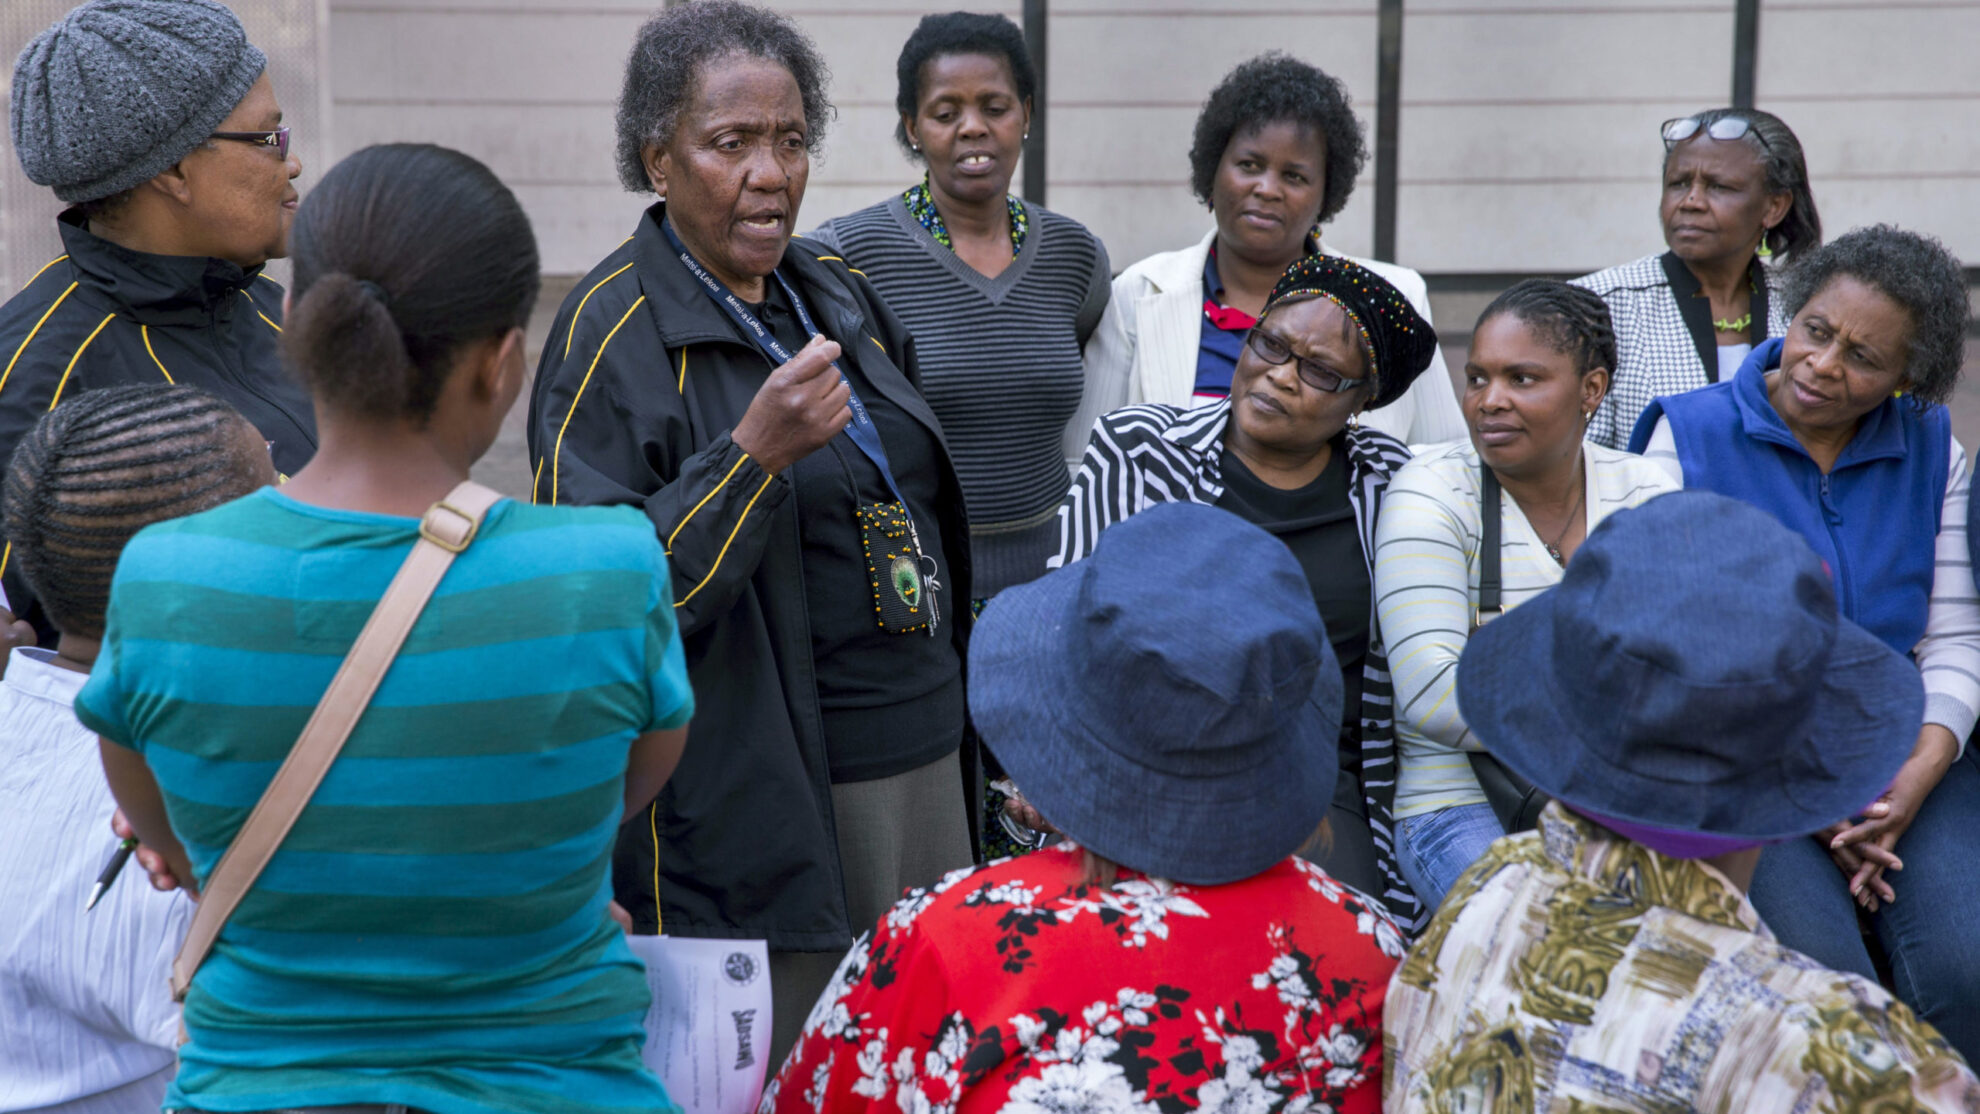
x=1690, y=674
x=1171, y=702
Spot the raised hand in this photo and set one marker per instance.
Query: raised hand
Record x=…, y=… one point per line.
x=797, y=410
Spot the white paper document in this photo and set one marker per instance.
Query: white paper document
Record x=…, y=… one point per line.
x=708, y=1030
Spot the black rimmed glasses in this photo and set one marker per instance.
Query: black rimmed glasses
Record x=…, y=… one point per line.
x=278, y=139
x=1724, y=128
x=1274, y=350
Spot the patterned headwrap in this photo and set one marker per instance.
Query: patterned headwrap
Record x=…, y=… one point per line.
x=1398, y=341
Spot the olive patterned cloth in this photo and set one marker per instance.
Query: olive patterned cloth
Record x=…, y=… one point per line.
x=1571, y=969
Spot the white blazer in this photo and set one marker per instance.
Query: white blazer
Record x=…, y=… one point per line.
x=1145, y=349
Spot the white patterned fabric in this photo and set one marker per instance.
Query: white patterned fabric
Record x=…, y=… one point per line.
x=87, y=1025
x=1655, y=355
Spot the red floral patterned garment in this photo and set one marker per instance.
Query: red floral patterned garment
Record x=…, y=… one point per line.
x=1016, y=987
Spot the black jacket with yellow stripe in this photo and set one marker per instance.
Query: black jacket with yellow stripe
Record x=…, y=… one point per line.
x=102, y=315
x=640, y=382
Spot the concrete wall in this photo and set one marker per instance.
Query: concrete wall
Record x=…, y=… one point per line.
x=1886, y=98
x=1529, y=131
x=525, y=85
x=529, y=86
x=1528, y=128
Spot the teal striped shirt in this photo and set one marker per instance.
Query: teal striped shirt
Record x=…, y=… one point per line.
x=433, y=931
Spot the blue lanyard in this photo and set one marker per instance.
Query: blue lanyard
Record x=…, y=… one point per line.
x=864, y=434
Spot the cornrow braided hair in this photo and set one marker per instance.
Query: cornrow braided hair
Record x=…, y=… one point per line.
x=1574, y=320
x=104, y=465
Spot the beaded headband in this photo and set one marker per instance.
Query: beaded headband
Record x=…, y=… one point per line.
x=1367, y=342
x=1399, y=342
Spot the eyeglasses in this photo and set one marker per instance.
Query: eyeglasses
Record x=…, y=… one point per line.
x=1275, y=351
x=1724, y=128
x=278, y=139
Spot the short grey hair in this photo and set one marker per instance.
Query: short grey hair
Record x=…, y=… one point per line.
x=665, y=68
x=1913, y=270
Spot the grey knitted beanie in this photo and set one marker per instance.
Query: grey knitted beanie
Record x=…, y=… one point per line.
x=119, y=90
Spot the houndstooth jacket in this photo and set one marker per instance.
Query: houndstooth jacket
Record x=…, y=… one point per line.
x=1658, y=351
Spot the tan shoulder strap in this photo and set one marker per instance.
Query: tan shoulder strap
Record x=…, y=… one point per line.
x=444, y=532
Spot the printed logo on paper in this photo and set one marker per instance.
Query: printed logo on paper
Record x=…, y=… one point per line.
x=741, y=968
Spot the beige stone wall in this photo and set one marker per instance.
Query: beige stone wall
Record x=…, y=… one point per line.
x=1528, y=128
x=1529, y=131
x=1885, y=95
x=529, y=86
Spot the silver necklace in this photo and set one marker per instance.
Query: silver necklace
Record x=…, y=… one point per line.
x=1581, y=496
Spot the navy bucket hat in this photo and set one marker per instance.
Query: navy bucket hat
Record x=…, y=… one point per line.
x=1690, y=674
x=1171, y=702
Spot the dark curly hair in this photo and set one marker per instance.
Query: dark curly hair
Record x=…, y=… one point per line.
x=1574, y=321
x=1787, y=172
x=1274, y=88
x=1916, y=272
x=957, y=33
x=665, y=67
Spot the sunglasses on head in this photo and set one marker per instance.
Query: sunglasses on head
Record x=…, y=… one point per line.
x=1274, y=350
x=278, y=139
x=1724, y=128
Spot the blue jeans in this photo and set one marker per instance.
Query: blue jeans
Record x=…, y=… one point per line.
x=1436, y=847
x=1928, y=933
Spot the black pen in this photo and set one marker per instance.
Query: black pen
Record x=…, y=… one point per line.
x=110, y=870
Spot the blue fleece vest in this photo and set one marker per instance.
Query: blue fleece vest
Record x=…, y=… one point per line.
x=1874, y=519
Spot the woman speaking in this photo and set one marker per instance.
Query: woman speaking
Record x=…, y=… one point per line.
x=763, y=406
